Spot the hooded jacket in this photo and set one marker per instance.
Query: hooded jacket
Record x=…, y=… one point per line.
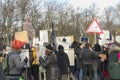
x=63, y=61
x=113, y=67
x=15, y=64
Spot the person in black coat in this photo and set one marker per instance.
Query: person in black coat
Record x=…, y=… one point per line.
x=87, y=61
x=98, y=48
x=63, y=63
x=79, y=63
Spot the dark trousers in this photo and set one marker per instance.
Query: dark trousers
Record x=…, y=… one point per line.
x=88, y=71
x=35, y=72
x=100, y=74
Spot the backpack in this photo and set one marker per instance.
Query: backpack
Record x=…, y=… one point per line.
x=5, y=64
x=86, y=54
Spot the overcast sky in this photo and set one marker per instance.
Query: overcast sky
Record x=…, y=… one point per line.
x=86, y=3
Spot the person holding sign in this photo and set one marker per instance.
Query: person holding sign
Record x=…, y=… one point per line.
x=50, y=64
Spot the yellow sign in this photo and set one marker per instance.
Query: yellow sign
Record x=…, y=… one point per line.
x=22, y=36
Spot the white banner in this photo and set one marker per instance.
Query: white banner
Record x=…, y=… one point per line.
x=43, y=36
x=104, y=37
x=70, y=53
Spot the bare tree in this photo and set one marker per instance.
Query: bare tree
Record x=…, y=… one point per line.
x=7, y=13
x=109, y=18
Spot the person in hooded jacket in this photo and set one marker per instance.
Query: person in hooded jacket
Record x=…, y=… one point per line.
x=63, y=63
x=14, y=61
x=113, y=63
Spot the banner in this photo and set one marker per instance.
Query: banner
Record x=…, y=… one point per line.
x=43, y=36
x=22, y=36
x=70, y=53
x=105, y=38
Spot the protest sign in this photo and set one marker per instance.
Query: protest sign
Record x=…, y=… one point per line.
x=43, y=36
x=70, y=53
x=22, y=36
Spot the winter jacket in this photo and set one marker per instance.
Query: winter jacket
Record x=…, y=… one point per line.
x=63, y=62
x=79, y=58
x=15, y=64
x=51, y=66
x=87, y=56
x=113, y=67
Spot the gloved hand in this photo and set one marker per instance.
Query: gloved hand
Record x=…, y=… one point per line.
x=41, y=60
x=26, y=60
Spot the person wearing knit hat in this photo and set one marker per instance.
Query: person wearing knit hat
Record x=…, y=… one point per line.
x=50, y=63
x=14, y=61
x=49, y=47
x=63, y=63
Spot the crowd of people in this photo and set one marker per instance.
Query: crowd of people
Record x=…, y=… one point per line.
x=92, y=62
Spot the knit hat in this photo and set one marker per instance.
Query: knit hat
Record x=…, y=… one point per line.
x=97, y=47
x=60, y=47
x=64, y=40
x=49, y=47
x=17, y=44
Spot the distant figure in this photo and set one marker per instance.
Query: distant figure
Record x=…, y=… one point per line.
x=27, y=26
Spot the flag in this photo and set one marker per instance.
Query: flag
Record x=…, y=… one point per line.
x=54, y=43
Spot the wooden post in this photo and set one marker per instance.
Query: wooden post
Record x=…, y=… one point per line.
x=94, y=38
